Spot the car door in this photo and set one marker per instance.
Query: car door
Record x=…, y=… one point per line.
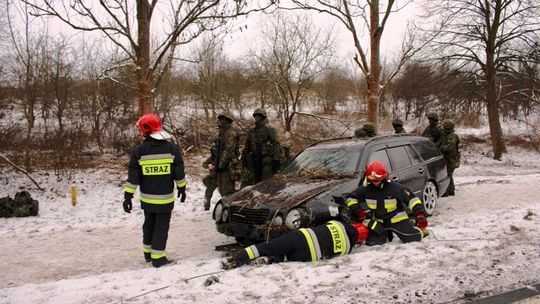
x=380, y=154
x=408, y=169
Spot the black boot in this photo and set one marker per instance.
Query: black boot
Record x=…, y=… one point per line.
x=161, y=262
x=147, y=257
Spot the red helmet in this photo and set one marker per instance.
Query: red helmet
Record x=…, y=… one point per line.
x=149, y=123
x=362, y=232
x=376, y=171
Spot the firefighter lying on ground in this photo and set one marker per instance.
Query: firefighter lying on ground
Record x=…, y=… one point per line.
x=325, y=241
x=388, y=204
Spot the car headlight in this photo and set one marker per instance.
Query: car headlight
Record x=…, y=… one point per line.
x=218, y=210
x=293, y=219
x=277, y=220
x=225, y=215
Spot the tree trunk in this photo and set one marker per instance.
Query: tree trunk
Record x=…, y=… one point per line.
x=495, y=129
x=142, y=50
x=373, y=78
x=492, y=96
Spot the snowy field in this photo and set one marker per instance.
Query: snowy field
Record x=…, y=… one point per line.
x=483, y=241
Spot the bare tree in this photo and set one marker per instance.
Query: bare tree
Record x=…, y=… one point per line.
x=26, y=47
x=128, y=26
x=356, y=16
x=486, y=37
x=294, y=53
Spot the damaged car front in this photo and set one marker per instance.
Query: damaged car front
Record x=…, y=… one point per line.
x=301, y=196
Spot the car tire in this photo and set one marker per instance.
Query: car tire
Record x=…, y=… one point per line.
x=430, y=197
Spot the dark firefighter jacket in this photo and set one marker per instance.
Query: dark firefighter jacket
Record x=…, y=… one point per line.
x=155, y=166
x=306, y=244
x=389, y=203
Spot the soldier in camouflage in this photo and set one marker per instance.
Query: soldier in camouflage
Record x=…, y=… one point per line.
x=367, y=130
x=210, y=180
x=449, y=146
x=397, y=124
x=261, y=157
x=434, y=130
x=225, y=161
x=286, y=156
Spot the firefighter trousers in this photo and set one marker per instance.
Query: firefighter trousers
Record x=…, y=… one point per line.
x=405, y=230
x=291, y=247
x=156, y=230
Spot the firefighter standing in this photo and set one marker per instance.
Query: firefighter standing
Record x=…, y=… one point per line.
x=326, y=241
x=155, y=166
x=387, y=204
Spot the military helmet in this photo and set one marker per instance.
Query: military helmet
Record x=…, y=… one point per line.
x=397, y=122
x=433, y=115
x=227, y=115
x=260, y=111
x=448, y=125
x=359, y=132
x=368, y=128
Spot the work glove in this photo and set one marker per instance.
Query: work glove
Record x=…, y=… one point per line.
x=421, y=221
x=127, y=205
x=181, y=192
x=375, y=226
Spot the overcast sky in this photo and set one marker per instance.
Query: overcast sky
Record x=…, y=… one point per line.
x=237, y=43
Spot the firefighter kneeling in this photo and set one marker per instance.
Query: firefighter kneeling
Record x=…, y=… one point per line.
x=386, y=205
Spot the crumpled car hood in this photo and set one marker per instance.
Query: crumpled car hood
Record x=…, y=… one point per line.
x=277, y=193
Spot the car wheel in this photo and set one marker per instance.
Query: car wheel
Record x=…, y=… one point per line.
x=430, y=197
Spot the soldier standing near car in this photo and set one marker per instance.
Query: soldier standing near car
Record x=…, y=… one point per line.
x=449, y=147
x=286, y=156
x=210, y=180
x=366, y=131
x=225, y=162
x=386, y=204
x=397, y=124
x=434, y=130
x=261, y=157
x=155, y=166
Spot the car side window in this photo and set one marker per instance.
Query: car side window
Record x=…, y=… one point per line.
x=427, y=149
x=400, y=157
x=380, y=155
x=415, y=159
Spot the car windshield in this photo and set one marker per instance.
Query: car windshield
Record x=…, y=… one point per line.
x=319, y=162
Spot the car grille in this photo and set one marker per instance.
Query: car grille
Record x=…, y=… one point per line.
x=248, y=215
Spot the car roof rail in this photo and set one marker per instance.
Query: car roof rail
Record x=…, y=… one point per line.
x=333, y=139
x=383, y=137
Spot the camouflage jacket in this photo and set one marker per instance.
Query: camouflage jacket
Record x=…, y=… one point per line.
x=227, y=148
x=434, y=134
x=449, y=146
x=262, y=141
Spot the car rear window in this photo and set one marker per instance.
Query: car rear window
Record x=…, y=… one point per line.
x=400, y=157
x=337, y=160
x=427, y=149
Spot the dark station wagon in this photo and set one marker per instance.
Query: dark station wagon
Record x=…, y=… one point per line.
x=305, y=193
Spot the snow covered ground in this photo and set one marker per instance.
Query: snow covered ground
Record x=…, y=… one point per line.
x=485, y=240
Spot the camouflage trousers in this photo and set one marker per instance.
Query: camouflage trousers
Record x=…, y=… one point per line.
x=211, y=186
x=225, y=183
x=451, y=187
